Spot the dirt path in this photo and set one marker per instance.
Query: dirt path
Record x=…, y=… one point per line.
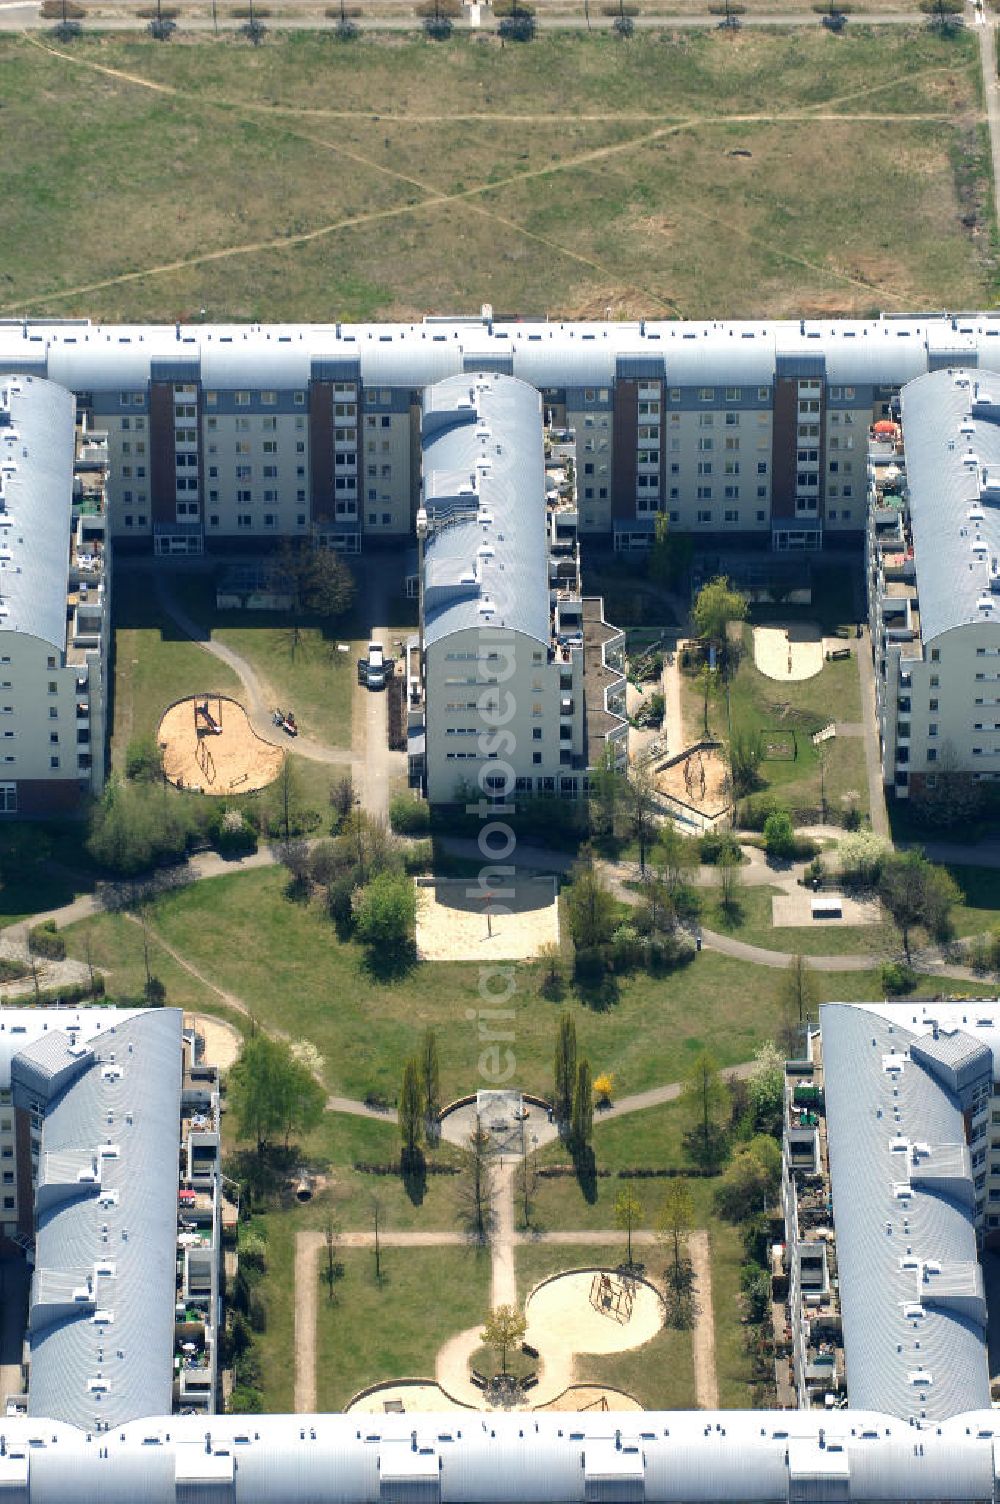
x=504, y=1285
x=706, y=1383
x=307, y=1246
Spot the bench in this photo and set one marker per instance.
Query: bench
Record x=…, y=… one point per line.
x=827, y=908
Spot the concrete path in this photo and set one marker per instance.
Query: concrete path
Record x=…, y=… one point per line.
x=986, y=27
x=706, y=1382
x=504, y=1284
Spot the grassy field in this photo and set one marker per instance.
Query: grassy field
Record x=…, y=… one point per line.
x=286, y=964
x=307, y=179
x=393, y=1329
x=750, y=920
x=154, y=663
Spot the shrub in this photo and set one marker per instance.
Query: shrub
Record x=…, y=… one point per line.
x=624, y=26
x=862, y=854
x=716, y=843
x=779, y=835
x=229, y=832
x=44, y=940
x=519, y=26
x=143, y=760
x=755, y=810
x=137, y=826
x=438, y=28
x=419, y=857
x=897, y=978
x=409, y=816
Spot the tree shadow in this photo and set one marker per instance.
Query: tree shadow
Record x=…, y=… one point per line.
x=598, y=991
x=390, y=964
x=413, y=1170
x=585, y=1163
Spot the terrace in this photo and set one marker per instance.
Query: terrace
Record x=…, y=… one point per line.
x=808, y=1327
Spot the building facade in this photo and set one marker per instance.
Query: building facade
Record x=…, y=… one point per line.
x=744, y=434
x=109, y=1136
x=933, y=558
x=54, y=609
x=522, y=685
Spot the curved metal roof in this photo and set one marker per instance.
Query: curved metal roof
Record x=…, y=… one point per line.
x=37, y=421
x=491, y=568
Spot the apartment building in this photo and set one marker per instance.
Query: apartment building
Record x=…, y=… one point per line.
x=523, y=685
x=109, y=1137
x=745, y=434
x=933, y=553
x=54, y=609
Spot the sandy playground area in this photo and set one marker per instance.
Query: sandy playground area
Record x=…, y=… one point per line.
x=455, y=922
x=788, y=649
x=231, y=759
x=683, y=780
x=576, y=1311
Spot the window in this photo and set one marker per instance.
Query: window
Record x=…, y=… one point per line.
x=932, y=729
x=762, y=467
x=730, y=515
x=934, y=679
x=268, y=399
x=763, y=393
x=299, y=399
x=706, y=394
x=935, y=658
x=733, y=394
x=53, y=762
x=704, y=516
x=242, y=399
x=8, y=798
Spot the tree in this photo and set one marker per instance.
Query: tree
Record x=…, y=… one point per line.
x=675, y=857
x=669, y=554
x=674, y=1220
x=716, y=605
x=607, y=788
x=385, y=912
x=861, y=854
x=549, y=960
x=271, y=1092
x=628, y=1211
x=476, y=1185
x=411, y=1111
x=376, y=1209
x=750, y=1181
x=799, y=996
x=709, y=685
x=766, y=1090
x=564, y=1075
x=582, y=1131
x=136, y=826
x=730, y=870
x=590, y=908
x=640, y=801
x=527, y=1176
x=430, y=1074
x=704, y=1096
x=746, y=753
x=779, y=834
x=333, y=1269
x=316, y=580
x=505, y=1328
x=918, y=895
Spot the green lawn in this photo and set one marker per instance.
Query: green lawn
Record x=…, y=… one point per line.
x=665, y=175
x=750, y=920
x=393, y=1329
x=981, y=909
x=154, y=663
x=286, y=963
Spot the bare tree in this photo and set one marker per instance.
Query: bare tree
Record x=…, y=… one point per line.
x=476, y=1189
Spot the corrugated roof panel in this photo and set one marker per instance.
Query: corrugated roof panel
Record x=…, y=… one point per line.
x=35, y=521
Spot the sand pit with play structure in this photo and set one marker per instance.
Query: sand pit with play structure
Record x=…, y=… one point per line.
x=210, y=747
x=457, y=920
x=700, y=778
x=788, y=649
x=592, y=1311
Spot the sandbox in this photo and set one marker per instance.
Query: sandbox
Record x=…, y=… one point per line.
x=592, y=1311
x=210, y=747
x=700, y=779
x=788, y=649
x=457, y=920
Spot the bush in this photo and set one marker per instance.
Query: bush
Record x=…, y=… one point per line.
x=717, y=843
x=651, y=712
x=143, y=760
x=229, y=832
x=137, y=826
x=862, y=855
x=897, y=978
x=438, y=28
x=409, y=816
x=755, y=810
x=419, y=857
x=44, y=940
x=517, y=27
x=779, y=835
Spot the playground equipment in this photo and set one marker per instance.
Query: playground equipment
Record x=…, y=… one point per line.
x=213, y=724
x=612, y=1297
x=206, y=761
